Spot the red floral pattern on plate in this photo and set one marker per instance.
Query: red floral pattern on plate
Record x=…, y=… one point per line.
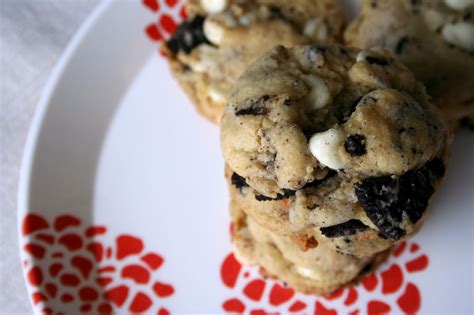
x=73, y=268
x=391, y=289
x=169, y=14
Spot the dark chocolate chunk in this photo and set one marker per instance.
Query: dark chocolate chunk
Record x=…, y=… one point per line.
x=287, y=102
x=376, y=60
x=287, y=193
x=344, y=229
x=386, y=198
x=238, y=181
x=188, y=36
x=401, y=45
x=355, y=145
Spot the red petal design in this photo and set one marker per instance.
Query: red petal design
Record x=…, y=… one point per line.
x=234, y=306
x=64, y=221
x=414, y=248
x=32, y=223
x=410, y=300
x=321, y=310
x=38, y=297
x=66, y=298
x=163, y=311
x=85, y=308
x=377, y=307
x=51, y=289
x=88, y=294
x=37, y=251
x=35, y=276
x=141, y=302
x=370, y=282
x=54, y=269
x=154, y=261
x=71, y=241
x=117, y=295
x=168, y=23
x=392, y=279
x=105, y=308
x=47, y=238
x=334, y=295
x=351, y=297
x=297, y=306
x=97, y=250
x=136, y=273
x=279, y=294
x=151, y=4
x=254, y=289
x=162, y=289
x=70, y=280
x=230, y=270
x=417, y=264
x=128, y=245
x=103, y=281
x=399, y=249
x=171, y=3
x=83, y=264
x=96, y=230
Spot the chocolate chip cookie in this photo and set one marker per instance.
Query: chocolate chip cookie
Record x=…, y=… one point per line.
x=326, y=142
x=210, y=50
x=435, y=39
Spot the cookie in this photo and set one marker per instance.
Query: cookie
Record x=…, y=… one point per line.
x=209, y=51
x=435, y=39
x=325, y=142
x=319, y=270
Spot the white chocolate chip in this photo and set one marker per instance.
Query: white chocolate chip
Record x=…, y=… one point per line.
x=362, y=55
x=459, y=4
x=460, y=34
x=307, y=273
x=316, y=28
x=216, y=94
x=325, y=148
x=319, y=95
x=213, y=31
x=214, y=6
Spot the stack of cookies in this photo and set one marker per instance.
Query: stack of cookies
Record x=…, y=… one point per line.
x=332, y=153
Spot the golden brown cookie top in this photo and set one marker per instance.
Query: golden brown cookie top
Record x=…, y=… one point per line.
x=299, y=112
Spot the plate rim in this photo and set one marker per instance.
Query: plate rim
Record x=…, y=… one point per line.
x=37, y=122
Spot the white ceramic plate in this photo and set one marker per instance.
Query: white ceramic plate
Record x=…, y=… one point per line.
x=123, y=204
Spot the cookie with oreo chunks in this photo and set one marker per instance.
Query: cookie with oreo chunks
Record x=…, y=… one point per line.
x=334, y=145
x=318, y=270
x=297, y=113
x=435, y=39
x=221, y=38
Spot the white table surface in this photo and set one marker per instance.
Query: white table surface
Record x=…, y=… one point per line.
x=33, y=33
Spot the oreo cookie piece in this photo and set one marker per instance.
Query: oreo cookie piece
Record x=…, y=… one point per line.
x=355, y=145
x=238, y=181
x=188, y=36
x=344, y=229
x=386, y=198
